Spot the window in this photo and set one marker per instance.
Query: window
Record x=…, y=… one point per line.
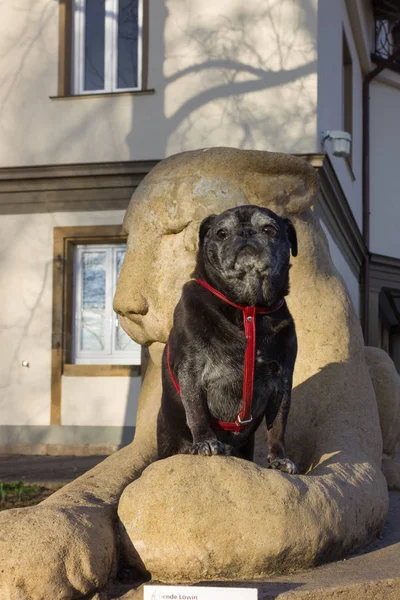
x=387, y=32
x=86, y=263
x=106, y=45
x=347, y=94
x=97, y=337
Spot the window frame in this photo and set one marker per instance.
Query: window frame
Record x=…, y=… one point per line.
x=65, y=241
x=66, y=67
x=110, y=355
x=110, y=48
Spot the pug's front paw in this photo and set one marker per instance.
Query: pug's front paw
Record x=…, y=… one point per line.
x=283, y=464
x=209, y=448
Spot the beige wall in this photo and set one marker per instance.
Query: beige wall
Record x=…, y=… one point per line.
x=344, y=269
x=332, y=21
x=26, y=250
x=385, y=188
x=107, y=401
x=251, y=83
x=355, y=18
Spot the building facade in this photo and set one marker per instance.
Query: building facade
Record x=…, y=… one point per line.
x=93, y=93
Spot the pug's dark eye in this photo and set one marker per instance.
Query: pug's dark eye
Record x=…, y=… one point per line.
x=222, y=234
x=270, y=230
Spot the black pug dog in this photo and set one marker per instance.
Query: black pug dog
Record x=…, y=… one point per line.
x=218, y=384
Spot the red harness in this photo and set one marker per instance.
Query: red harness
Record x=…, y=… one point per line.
x=249, y=321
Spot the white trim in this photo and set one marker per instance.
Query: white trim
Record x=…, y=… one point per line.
x=111, y=17
x=361, y=20
x=362, y=25
x=114, y=285
x=140, y=44
x=389, y=77
x=110, y=48
x=78, y=44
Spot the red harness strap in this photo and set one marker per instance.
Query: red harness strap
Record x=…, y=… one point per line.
x=249, y=321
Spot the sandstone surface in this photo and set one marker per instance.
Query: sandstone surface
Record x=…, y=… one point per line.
x=198, y=518
x=373, y=574
x=228, y=519
x=386, y=382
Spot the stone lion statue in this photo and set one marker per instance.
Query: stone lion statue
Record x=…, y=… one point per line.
x=191, y=518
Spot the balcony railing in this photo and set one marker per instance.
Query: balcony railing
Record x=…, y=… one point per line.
x=387, y=29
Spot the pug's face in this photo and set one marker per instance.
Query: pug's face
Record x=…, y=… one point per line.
x=247, y=247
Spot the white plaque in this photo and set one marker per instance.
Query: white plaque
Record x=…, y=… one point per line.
x=177, y=592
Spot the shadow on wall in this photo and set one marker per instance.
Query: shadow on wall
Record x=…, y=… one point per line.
x=128, y=432
x=132, y=400
x=240, y=74
x=25, y=319
x=248, y=72
x=29, y=77
x=28, y=35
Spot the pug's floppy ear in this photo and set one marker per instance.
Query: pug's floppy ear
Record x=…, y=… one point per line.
x=205, y=227
x=292, y=236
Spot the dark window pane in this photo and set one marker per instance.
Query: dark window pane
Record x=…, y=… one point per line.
x=94, y=44
x=127, y=44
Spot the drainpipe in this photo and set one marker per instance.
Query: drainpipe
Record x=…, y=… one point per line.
x=366, y=181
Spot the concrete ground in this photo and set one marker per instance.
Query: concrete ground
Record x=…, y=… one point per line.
x=373, y=574
x=45, y=469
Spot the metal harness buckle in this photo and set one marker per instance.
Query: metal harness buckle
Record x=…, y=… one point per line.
x=245, y=422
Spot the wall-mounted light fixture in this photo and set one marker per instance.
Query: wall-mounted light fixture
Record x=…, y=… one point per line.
x=341, y=142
